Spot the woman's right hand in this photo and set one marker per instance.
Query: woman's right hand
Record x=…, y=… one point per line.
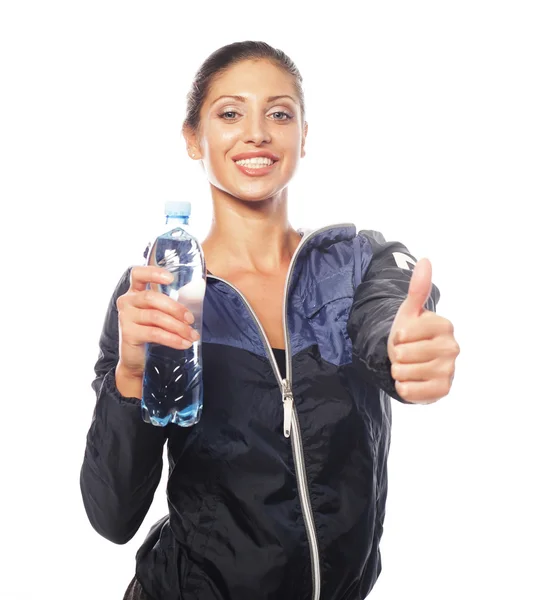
x=149, y=316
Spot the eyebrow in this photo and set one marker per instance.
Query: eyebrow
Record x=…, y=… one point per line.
x=243, y=99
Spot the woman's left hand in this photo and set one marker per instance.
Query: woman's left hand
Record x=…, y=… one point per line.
x=421, y=344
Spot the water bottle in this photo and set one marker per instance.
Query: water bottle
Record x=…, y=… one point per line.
x=172, y=383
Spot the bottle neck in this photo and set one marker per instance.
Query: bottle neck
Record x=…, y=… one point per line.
x=176, y=221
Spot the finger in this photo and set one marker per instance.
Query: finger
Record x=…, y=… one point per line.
x=142, y=276
x=424, y=350
x=413, y=372
x=419, y=290
x=144, y=334
x=427, y=327
x=160, y=301
x=155, y=318
x=423, y=392
x=426, y=371
x=414, y=352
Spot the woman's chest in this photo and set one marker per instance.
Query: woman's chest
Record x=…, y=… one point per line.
x=266, y=298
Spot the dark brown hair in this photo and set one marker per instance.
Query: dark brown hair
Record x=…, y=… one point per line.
x=222, y=59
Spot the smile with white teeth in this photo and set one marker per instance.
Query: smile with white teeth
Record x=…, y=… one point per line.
x=255, y=163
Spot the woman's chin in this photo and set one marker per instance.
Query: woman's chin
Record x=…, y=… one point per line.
x=253, y=193
x=255, y=198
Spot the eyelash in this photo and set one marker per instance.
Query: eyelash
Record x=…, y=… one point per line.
x=234, y=112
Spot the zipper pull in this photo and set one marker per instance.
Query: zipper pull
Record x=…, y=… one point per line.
x=287, y=402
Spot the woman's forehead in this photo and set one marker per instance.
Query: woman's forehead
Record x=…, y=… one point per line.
x=253, y=78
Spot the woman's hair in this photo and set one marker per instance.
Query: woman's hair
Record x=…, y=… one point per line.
x=220, y=60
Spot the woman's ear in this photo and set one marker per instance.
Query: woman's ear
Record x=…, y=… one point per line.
x=304, y=134
x=193, y=149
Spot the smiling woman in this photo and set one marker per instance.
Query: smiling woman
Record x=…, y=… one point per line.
x=279, y=491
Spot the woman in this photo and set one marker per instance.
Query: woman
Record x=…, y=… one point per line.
x=279, y=491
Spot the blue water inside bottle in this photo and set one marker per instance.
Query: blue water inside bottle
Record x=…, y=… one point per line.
x=172, y=383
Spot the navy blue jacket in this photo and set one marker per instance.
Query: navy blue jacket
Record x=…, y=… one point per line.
x=278, y=493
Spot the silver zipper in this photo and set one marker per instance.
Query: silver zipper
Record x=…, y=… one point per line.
x=288, y=401
x=291, y=424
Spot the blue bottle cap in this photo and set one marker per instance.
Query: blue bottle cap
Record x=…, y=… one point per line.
x=177, y=209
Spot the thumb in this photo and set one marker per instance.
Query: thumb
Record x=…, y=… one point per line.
x=419, y=290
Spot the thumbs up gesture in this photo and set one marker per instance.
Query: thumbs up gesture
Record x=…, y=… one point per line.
x=421, y=344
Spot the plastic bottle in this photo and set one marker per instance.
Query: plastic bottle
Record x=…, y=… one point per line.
x=172, y=384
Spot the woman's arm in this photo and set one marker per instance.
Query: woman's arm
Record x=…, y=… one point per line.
x=386, y=273
x=123, y=461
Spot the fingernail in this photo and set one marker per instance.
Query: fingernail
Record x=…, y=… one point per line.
x=186, y=343
x=189, y=317
x=167, y=277
x=195, y=335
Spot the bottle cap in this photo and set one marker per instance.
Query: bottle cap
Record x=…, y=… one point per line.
x=177, y=209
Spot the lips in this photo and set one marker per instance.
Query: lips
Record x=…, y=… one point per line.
x=255, y=170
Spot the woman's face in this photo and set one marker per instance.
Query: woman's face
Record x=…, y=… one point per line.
x=251, y=109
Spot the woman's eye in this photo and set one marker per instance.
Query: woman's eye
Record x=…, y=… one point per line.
x=281, y=115
x=229, y=114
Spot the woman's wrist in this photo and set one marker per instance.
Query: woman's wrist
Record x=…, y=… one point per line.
x=128, y=384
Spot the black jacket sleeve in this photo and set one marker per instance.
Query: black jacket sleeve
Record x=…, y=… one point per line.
x=123, y=460
x=377, y=299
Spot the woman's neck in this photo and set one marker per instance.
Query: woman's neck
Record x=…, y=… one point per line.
x=250, y=236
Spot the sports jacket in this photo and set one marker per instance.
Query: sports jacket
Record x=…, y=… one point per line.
x=278, y=493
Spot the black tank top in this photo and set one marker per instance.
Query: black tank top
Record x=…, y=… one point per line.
x=280, y=356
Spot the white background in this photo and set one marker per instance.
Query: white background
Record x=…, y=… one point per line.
x=431, y=122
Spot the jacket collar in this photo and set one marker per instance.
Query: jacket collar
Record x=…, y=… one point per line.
x=323, y=237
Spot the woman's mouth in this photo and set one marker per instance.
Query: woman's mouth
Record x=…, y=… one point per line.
x=254, y=167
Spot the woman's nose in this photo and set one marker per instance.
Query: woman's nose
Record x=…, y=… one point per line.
x=256, y=130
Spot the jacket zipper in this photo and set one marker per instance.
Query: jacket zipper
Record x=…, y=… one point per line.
x=291, y=424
